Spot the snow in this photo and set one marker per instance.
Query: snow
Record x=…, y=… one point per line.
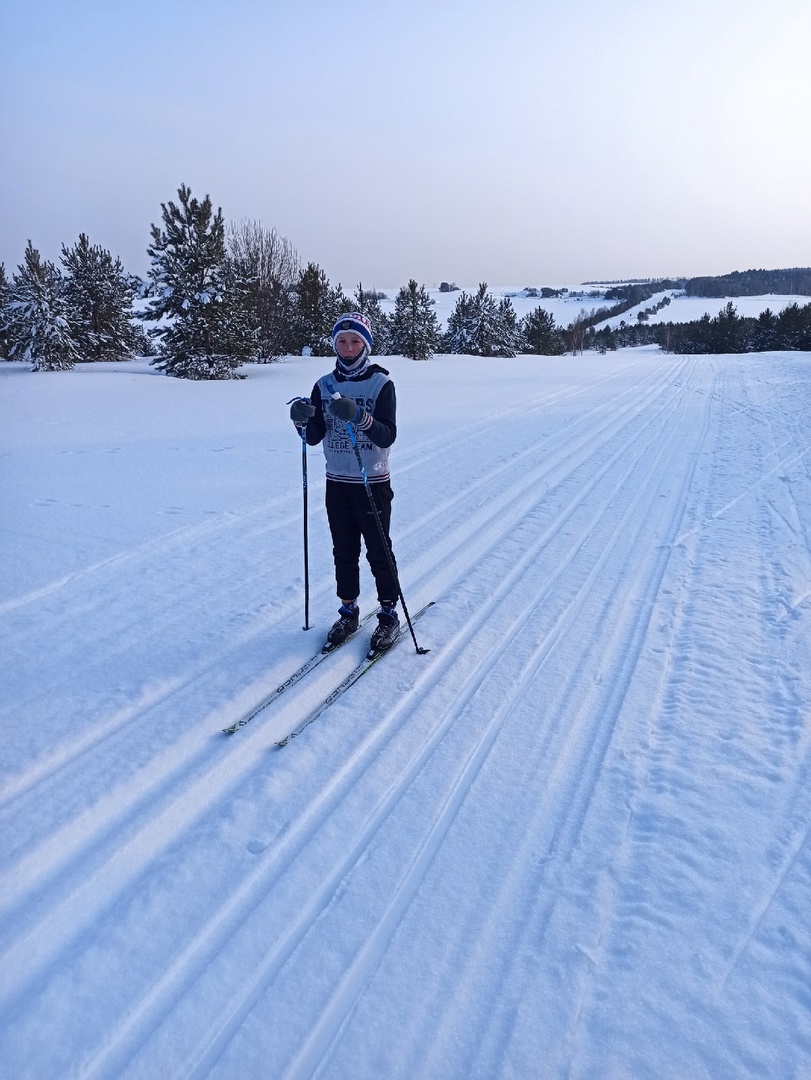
x=585, y=299
x=689, y=308
x=569, y=841
x=564, y=309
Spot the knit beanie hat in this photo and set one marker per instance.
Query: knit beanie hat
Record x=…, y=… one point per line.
x=353, y=322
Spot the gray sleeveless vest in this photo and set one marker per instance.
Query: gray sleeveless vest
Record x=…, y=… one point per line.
x=340, y=457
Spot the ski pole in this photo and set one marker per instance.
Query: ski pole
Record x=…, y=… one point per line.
x=383, y=536
x=306, y=540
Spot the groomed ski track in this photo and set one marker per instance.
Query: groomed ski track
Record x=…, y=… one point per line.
x=571, y=841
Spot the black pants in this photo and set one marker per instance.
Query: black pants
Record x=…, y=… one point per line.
x=350, y=518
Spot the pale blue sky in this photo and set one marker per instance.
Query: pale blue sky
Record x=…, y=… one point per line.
x=503, y=141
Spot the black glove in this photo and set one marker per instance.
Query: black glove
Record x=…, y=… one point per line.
x=301, y=411
x=346, y=409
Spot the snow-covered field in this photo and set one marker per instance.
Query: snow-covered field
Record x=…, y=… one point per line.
x=570, y=841
x=565, y=309
x=689, y=308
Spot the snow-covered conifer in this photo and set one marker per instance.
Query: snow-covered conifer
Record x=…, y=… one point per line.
x=99, y=296
x=367, y=301
x=316, y=307
x=793, y=328
x=487, y=328
x=479, y=326
x=414, y=325
x=508, y=328
x=197, y=299
x=539, y=334
x=5, y=314
x=728, y=331
x=38, y=324
x=459, y=332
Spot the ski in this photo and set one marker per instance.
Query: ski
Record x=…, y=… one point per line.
x=365, y=665
x=291, y=680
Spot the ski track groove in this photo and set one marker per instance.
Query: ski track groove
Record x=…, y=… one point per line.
x=190, y=759
x=130, y=715
x=627, y=646
x=420, y=454
x=227, y=520
x=92, y=909
x=283, y=951
x=611, y=907
x=149, y=550
x=494, y=923
x=253, y=890
x=357, y=976
x=794, y=847
x=495, y=508
x=766, y=904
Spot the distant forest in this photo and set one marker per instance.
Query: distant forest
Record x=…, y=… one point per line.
x=727, y=332
x=795, y=282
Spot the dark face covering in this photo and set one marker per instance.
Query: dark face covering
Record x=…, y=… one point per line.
x=355, y=367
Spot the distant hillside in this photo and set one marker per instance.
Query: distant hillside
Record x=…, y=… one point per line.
x=795, y=282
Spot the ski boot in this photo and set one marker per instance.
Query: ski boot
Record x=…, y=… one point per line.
x=343, y=627
x=386, y=632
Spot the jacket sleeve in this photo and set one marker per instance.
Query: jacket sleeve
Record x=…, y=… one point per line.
x=383, y=429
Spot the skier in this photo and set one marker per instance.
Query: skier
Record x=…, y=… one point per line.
x=359, y=393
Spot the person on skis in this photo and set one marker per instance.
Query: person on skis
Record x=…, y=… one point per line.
x=359, y=393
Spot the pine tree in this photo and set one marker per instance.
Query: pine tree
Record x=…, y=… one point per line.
x=484, y=341
x=765, y=335
x=5, y=313
x=414, y=326
x=794, y=328
x=728, y=334
x=368, y=303
x=38, y=323
x=486, y=331
x=539, y=334
x=508, y=328
x=603, y=340
x=459, y=332
x=478, y=326
x=200, y=300
x=315, y=311
x=99, y=296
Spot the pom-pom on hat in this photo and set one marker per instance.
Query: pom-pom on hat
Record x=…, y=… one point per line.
x=353, y=322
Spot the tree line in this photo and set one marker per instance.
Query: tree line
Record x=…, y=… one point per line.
x=726, y=332
x=217, y=296
x=793, y=282
x=53, y=317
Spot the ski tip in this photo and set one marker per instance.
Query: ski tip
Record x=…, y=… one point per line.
x=232, y=730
